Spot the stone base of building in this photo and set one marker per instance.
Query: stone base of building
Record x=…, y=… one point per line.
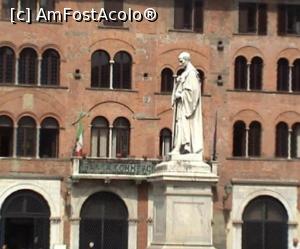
x=182, y=204
x=180, y=246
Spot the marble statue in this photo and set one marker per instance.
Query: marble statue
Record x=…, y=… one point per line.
x=186, y=103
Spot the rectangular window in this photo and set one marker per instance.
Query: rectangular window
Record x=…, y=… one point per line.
x=21, y=5
x=188, y=15
x=32, y=5
x=288, y=19
x=116, y=6
x=6, y=8
x=253, y=18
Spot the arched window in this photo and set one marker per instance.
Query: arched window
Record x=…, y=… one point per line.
x=103, y=221
x=239, y=139
x=296, y=76
x=295, y=141
x=49, y=138
x=240, y=73
x=265, y=224
x=121, y=138
x=167, y=80
x=122, y=70
x=282, y=134
x=7, y=65
x=50, y=68
x=100, y=75
x=165, y=142
x=26, y=141
x=7, y=5
x=25, y=221
x=254, y=139
x=100, y=137
x=256, y=69
x=6, y=136
x=28, y=67
x=282, y=75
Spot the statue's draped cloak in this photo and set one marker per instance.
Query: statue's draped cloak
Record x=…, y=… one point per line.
x=189, y=114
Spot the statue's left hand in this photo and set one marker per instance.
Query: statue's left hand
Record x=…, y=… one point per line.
x=178, y=95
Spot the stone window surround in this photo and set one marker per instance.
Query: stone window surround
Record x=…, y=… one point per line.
x=129, y=196
x=244, y=191
x=39, y=68
x=49, y=189
x=38, y=128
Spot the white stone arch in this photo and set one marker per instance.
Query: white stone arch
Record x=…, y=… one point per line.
x=35, y=188
x=127, y=193
x=49, y=189
x=243, y=193
x=77, y=205
x=264, y=192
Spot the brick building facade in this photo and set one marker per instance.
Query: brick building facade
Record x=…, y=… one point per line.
x=118, y=76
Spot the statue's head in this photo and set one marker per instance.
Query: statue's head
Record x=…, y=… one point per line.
x=184, y=58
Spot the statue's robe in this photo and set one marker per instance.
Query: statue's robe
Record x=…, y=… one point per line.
x=188, y=111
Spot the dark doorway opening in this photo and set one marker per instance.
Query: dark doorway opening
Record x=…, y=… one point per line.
x=25, y=222
x=19, y=233
x=104, y=222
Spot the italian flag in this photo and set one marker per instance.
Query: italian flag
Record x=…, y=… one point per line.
x=79, y=137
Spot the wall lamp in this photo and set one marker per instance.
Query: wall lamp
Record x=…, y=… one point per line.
x=220, y=80
x=220, y=46
x=77, y=74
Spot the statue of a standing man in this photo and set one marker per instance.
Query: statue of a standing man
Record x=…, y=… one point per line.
x=186, y=103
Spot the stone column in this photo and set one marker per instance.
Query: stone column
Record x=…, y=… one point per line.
x=39, y=71
x=17, y=71
x=132, y=233
x=111, y=73
x=247, y=142
x=74, y=236
x=248, y=76
x=110, y=142
x=290, y=143
x=55, y=231
x=15, y=134
x=37, y=151
x=290, y=78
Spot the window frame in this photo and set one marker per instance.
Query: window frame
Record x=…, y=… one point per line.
x=119, y=70
x=281, y=140
x=96, y=76
x=48, y=65
x=239, y=139
x=28, y=67
x=5, y=65
x=165, y=86
x=283, y=16
x=18, y=6
x=98, y=129
x=181, y=9
x=54, y=129
x=118, y=133
x=164, y=134
x=6, y=131
x=22, y=141
x=260, y=19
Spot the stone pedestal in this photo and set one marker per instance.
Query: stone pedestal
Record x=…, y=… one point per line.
x=182, y=204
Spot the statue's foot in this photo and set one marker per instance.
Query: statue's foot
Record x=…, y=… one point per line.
x=174, y=152
x=186, y=149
